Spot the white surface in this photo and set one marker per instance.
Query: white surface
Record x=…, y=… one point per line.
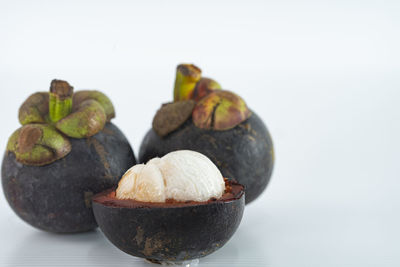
x=324, y=75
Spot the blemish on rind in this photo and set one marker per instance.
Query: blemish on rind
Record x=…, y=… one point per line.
x=87, y=195
x=139, y=235
x=102, y=154
x=108, y=131
x=151, y=246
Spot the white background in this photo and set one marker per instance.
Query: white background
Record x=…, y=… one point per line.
x=324, y=75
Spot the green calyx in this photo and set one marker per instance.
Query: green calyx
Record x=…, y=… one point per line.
x=201, y=99
x=88, y=119
x=190, y=85
x=38, y=144
x=58, y=113
x=220, y=110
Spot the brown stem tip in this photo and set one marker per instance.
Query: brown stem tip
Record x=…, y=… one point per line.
x=189, y=71
x=62, y=89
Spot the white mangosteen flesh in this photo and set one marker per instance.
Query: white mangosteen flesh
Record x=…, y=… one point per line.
x=182, y=175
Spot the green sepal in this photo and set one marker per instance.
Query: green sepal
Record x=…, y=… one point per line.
x=34, y=109
x=103, y=100
x=203, y=88
x=171, y=116
x=88, y=119
x=220, y=110
x=38, y=144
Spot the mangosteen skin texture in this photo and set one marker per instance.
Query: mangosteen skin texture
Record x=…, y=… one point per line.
x=57, y=197
x=244, y=152
x=170, y=233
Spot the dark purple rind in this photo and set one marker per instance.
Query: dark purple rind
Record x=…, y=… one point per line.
x=57, y=197
x=170, y=233
x=244, y=152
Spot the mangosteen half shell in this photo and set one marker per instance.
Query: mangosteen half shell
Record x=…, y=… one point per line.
x=170, y=231
x=66, y=151
x=216, y=123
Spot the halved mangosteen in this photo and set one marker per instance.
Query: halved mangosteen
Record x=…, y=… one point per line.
x=66, y=151
x=173, y=209
x=216, y=123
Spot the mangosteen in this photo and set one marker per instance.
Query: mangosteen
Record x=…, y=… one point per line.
x=66, y=151
x=172, y=209
x=216, y=123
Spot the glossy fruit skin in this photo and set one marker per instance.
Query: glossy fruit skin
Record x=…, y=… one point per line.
x=57, y=197
x=244, y=152
x=170, y=233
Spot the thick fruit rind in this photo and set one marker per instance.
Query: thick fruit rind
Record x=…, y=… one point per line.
x=170, y=234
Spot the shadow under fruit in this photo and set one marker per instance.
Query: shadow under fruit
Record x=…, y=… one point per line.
x=66, y=151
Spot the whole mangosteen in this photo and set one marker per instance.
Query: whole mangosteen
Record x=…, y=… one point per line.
x=66, y=151
x=216, y=123
x=172, y=209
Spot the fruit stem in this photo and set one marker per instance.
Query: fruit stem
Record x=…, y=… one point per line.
x=60, y=100
x=187, y=75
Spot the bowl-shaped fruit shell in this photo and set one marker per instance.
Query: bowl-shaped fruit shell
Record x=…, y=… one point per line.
x=169, y=231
